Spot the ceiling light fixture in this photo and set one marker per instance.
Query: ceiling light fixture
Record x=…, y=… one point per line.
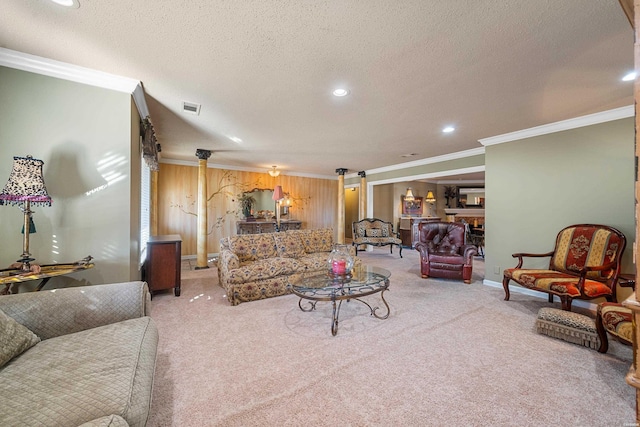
x=274, y=172
x=629, y=77
x=448, y=129
x=341, y=92
x=235, y=139
x=67, y=3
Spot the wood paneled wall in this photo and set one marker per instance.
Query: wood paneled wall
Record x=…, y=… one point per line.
x=314, y=201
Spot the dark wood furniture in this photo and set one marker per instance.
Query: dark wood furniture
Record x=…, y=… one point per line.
x=161, y=269
x=408, y=229
x=266, y=226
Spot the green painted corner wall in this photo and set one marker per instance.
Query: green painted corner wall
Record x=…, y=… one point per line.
x=537, y=186
x=88, y=140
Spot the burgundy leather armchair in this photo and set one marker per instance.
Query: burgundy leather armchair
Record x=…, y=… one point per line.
x=444, y=252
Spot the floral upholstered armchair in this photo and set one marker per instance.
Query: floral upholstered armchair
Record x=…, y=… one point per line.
x=376, y=232
x=584, y=264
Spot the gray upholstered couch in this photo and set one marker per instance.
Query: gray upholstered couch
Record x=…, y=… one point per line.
x=89, y=358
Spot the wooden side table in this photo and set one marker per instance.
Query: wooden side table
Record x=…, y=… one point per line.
x=162, y=267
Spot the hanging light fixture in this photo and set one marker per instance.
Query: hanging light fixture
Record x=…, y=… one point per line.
x=274, y=172
x=409, y=196
x=430, y=197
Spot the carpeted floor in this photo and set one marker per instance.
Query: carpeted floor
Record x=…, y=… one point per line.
x=449, y=354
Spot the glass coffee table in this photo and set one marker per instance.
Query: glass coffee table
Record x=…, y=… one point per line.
x=365, y=280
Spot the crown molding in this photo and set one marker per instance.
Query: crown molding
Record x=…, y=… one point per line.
x=194, y=163
x=578, y=122
x=62, y=70
x=432, y=175
x=438, y=159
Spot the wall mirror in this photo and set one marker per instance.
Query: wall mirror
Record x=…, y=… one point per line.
x=264, y=206
x=471, y=197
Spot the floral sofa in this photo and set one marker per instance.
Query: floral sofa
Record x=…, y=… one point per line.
x=258, y=266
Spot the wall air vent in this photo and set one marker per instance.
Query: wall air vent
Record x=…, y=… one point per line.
x=191, y=108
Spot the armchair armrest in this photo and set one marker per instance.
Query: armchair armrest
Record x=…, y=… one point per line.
x=228, y=261
x=64, y=311
x=468, y=252
x=521, y=256
x=423, y=249
x=586, y=269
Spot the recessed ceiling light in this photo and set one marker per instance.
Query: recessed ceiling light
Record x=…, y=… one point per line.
x=341, y=92
x=235, y=139
x=630, y=76
x=448, y=129
x=68, y=3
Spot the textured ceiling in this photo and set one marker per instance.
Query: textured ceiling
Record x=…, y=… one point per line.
x=264, y=70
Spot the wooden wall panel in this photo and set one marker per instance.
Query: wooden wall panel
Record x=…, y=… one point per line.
x=314, y=201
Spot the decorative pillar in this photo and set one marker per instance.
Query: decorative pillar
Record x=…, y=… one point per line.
x=201, y=242
x=340, y=237
x=363, y=195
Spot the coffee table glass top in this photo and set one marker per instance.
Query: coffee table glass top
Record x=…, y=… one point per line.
x=321, y=286
x=365, y=279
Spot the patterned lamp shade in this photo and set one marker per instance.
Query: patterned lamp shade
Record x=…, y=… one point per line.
x=26, y=183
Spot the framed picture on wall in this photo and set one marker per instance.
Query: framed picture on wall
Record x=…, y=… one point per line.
x=412, y=207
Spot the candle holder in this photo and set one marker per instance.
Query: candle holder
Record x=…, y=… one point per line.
x=340, y=262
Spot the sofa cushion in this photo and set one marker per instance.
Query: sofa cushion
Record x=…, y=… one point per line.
x=14, y=339
x=251, y=247
x=320, y=240
x=76, y=378
x=264, y=269
x=315, y=262
x=288, y=245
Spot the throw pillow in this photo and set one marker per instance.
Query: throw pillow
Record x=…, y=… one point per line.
x=14, y=338
x=373, y=232
x=288, y=245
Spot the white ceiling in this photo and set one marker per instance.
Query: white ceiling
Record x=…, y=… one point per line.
x=264, y=70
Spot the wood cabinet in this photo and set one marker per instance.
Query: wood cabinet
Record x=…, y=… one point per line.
x=268, y=226
x=161, y=269
x=409, y=232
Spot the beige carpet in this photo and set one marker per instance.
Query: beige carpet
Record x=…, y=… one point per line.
x=449, y=354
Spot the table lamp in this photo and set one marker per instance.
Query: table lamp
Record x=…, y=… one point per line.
x=24, y=188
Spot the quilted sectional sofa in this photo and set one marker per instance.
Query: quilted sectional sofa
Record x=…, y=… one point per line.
x=81, y=356
x=257, y=266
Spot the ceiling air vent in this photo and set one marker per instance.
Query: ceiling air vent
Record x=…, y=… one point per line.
x=191, y=108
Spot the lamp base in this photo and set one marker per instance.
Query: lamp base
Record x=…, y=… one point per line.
x=25, y=263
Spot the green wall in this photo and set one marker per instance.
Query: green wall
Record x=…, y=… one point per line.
x=87, y=138
x=537, y=186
